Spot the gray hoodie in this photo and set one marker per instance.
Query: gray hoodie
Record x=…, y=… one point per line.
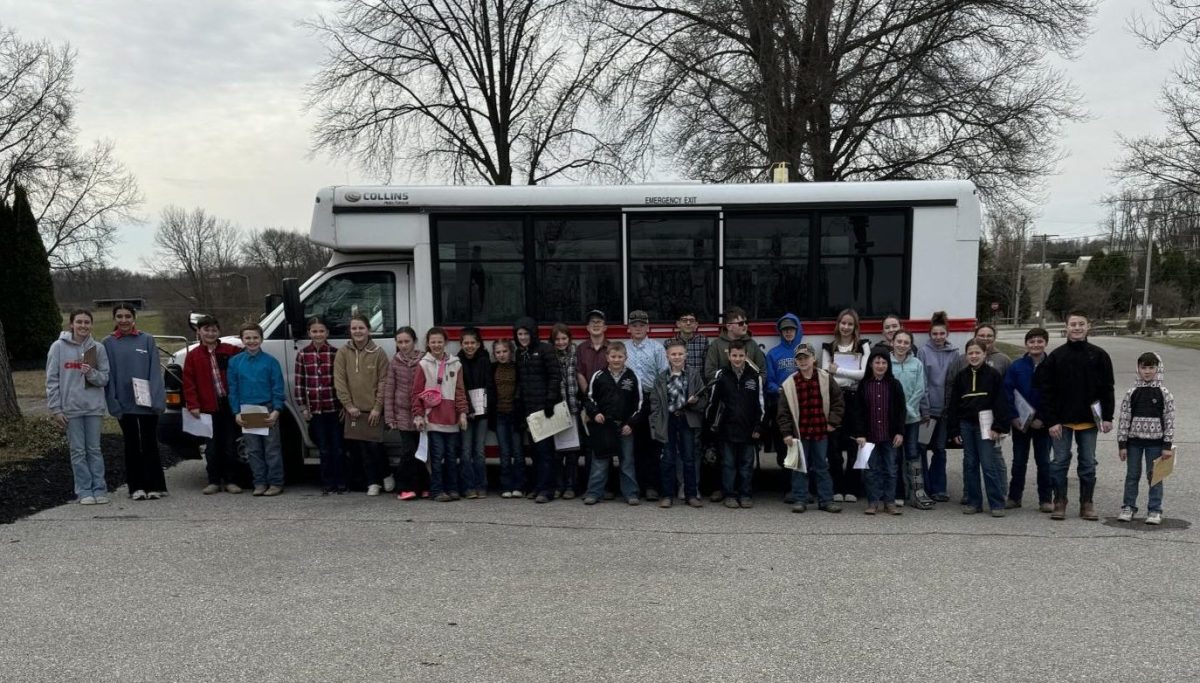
x=69, y=391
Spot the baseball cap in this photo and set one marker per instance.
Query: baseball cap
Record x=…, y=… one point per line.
x=595, y=313
x=639, y=316
x=804, y=350
x=786, y=323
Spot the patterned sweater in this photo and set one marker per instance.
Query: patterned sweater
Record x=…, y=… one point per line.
x=1147, y=413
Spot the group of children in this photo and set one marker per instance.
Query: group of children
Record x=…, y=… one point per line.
x=852, y=408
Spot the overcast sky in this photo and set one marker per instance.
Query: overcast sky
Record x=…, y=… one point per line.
x=204, y=100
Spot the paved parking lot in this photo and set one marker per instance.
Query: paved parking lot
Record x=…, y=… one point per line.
x=312, y=588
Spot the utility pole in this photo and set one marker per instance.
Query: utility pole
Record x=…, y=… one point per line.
x=1042, y=272
x=1020, y=267
x=1146, y=290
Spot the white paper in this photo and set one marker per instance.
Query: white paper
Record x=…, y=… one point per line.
x=478, y=398
x=262, y=431
x=864, y=456
x=1024, y=410
x=542, y=427
x=848, y=361
x=198, y=426
x=795, y=459
x=1096, y=411
x=568, y=439
x=423, y=447
x=986, y=418
x=925, y=431
x=141, y=392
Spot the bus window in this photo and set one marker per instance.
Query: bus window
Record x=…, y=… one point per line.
x=481, y=269
x=578, y=266
x=766, y=263
x=863, y=264
x=372, y=293
x=673, y=264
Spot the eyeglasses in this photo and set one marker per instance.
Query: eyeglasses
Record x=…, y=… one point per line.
x=687, y=319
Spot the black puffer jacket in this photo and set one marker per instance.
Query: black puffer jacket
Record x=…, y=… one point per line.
x=538, y=379
x=477, y=374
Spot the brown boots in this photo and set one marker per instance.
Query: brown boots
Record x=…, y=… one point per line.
x=1088, y=511
x=1060, y=510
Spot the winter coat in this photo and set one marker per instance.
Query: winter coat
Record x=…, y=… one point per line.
x=911, y=375
x=619, y=400
x=359, y=376
x=660, y=400
x=198, y=390
x=1071, y=379
x=1020, y=378
x=781, y=360
x=539, y=382
x=859, y=418
x=736, y=404
x=442, y=417
x=831, y=404
x=133, y=356
x=937, y=361
x=972, y=391
x=718, y=355
x=69, y=391
x=398, y=391
x=477, y=374
x=1147, y=414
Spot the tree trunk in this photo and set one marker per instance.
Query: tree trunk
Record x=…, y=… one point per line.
x=9, y=408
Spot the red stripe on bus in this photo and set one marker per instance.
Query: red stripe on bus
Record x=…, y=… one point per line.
x=759, y=329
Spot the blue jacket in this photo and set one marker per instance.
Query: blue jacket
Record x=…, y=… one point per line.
x=1019, y=377
x=781, y=360
x=911, y=375
x=133, y=356
x=255, y=380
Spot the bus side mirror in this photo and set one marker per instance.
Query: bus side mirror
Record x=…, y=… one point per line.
x=271, y=302
x=293, y=311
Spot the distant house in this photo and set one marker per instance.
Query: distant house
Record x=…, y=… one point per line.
x=138, y=303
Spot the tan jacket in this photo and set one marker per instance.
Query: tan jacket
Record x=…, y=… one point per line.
x=358, y=376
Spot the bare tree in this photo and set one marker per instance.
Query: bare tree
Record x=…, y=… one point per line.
x=492, y=89
x=849, y=89
x=79, y=196
x=282, y=253
x=193, y=248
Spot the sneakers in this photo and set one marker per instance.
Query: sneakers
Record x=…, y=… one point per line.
x=233, y=488
x=1154, y=518
x=273, y=491
x=695, y=503
x=482, y=493
x=849, y=498
x=998, y=512
x=731, y=503
x=837, y=498
x=87, y=500
x=138, y=495
x=442, y=498
x=651, y=495
x=899, y=502
x=633, y=501
x=155, y=495
x=374, y=489
x=568, y=495
x=789, y=499
x=1126, y=514
x=210, y=489
x=101, y=500
x=542, y=498
x=389, y=483
x=407, y=495
x=259, y=490
x=665, y=502
x=516, y=494
x=506, y=494
x=588, y=500
x=454, y=495
x=1011, y=504
x=830, y=507
x=971, y=510
x=717, y=496
x=799, y=508
x=472, y=495
x=940, y=498
x=746, y=503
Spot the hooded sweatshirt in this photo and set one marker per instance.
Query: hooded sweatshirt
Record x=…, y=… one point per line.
x=444, y=375
x=132, y=356
x=68, y=390
x=781, y=360
x=937, y=361
x=397, y=390
x=539, y=382
x=911, y=375
x=359, y=374
x=717, y=357
x=1147, y=414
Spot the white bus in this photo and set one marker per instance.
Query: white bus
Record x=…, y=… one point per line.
x=487, y=255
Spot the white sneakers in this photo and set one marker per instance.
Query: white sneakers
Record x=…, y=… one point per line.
x=1154, y=518
x=850, y=498
x=87, y=500
x=389, y=483
x=837, y=498
x=374, y=489
x=139, y=495
x=1126, y=514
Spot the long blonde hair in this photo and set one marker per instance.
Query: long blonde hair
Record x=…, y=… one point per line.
x=837, y=330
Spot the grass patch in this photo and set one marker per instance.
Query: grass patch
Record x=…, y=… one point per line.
x=29, y=438
x=1011, y=350
x=30, y=384
x=1188, y=342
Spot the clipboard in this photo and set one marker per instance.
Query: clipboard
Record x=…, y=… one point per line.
x=91, y=357
x=254, y=420
x=360, y=430
x=1161, y=469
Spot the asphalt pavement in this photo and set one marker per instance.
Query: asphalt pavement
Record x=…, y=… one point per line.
x=310, y=588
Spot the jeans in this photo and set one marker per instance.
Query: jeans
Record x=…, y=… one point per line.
x=265, y=456
x=881, y=474
x=220, y=452
x=545, y=462
x=842, y=452
x=472, y=466
x=737, y=460
x=816, y=457
x=680, y=447
x=1133, y=474
x=598, y=477
x=512, y=454
x=935, y=477
x=326, y=431
x=982, y=454
x=1039, y=439
x=1085, y=440
x=443, y=462
x=87, y=462
x=143, y=469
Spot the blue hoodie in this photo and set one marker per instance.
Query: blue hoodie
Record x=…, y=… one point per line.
x=781, y=360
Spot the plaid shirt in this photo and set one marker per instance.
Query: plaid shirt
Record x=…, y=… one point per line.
x=878, y=406
x=218, y=383
x=314, y=379
x=697, y=348
x=677, y=392
x=810, y=422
